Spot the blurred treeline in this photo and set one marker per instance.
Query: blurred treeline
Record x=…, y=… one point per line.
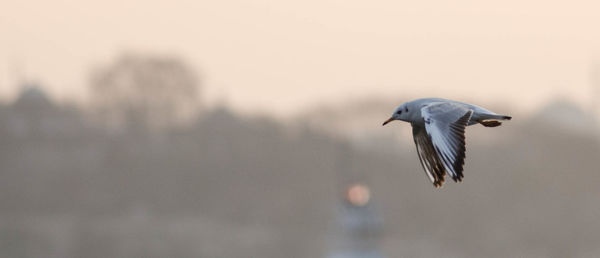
x=145, y=170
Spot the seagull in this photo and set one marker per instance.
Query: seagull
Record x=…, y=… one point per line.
x=438, y=127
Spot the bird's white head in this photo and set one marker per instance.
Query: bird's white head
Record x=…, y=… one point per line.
x=400, y=113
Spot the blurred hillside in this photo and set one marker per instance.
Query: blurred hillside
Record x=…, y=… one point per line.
x=229, y=186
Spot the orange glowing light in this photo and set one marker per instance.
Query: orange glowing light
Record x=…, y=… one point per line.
x=358, y=195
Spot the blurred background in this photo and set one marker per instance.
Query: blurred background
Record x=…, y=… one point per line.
x=253, y=128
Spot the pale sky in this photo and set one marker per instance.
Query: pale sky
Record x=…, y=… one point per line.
x=281, y=56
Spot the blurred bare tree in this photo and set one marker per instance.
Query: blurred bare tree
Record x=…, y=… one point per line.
x=142, y=92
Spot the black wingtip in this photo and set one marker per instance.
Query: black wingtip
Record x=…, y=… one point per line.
x=458, y=179
x=439, y=182
x=507, y=117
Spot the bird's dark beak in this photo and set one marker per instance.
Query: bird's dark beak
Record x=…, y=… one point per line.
x=387, y=121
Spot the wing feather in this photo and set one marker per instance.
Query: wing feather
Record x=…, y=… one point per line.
x=445, y=126
x=434, y=168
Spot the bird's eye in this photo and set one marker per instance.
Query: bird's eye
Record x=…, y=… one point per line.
x=399, y=112
x=406, y=109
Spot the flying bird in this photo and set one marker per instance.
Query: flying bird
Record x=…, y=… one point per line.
x=438, y=127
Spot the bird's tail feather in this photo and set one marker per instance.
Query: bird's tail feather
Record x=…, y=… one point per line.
x=492, y=120
x=501, y=117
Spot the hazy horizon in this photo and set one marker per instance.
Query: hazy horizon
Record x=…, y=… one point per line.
x=282, y=57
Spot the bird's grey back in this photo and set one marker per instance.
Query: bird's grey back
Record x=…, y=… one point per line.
x=424, y=101
x=479, y=113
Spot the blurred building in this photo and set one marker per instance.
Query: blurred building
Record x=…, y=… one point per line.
x=33, y=115
x=357, y=121
x=574, y=119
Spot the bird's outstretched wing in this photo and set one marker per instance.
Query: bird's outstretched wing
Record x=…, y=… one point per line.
x=441, y=143
x=427, y=155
